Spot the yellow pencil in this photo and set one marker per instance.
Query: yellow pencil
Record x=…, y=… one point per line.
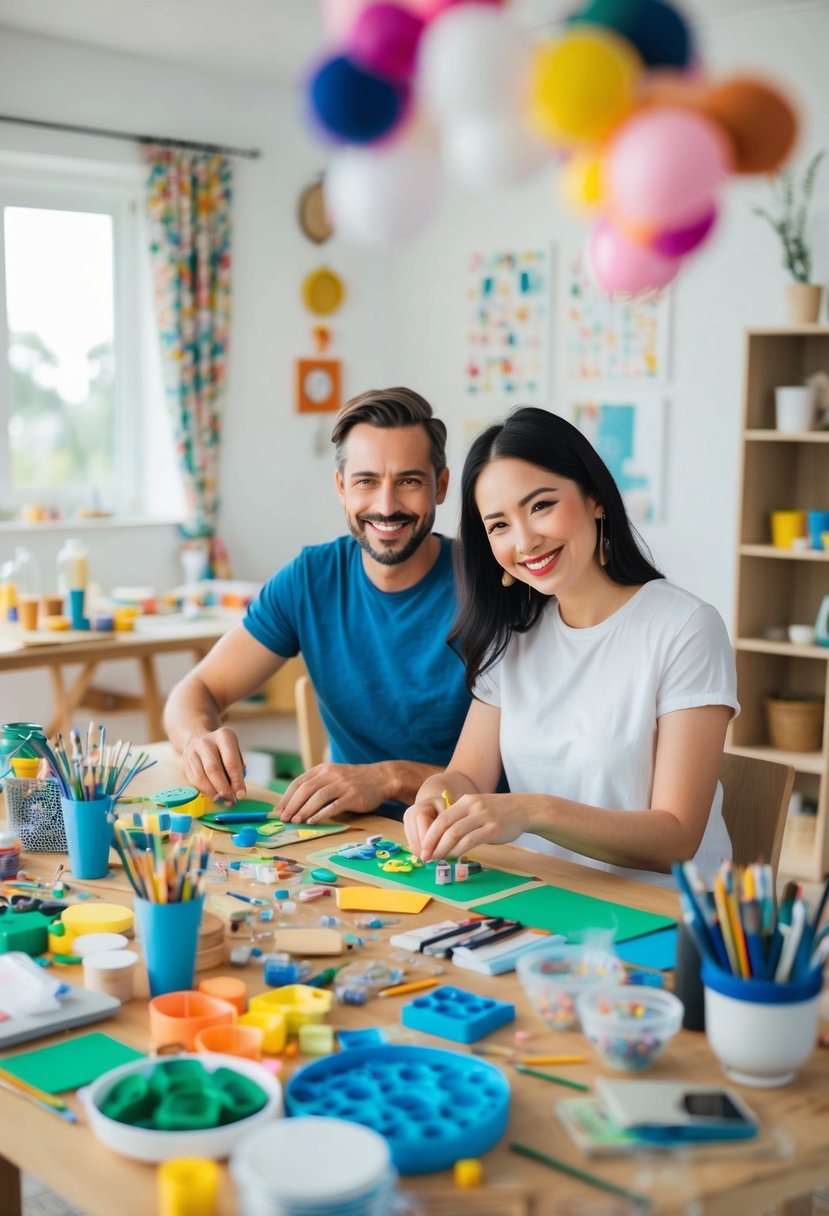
x=415, y=986
x=32, y=1091
x=721, y=904
x=446, y=800
x=551, y=1060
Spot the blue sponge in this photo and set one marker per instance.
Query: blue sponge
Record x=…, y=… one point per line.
x=463, y=1017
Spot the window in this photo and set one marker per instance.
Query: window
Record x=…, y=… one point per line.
x=81, y=403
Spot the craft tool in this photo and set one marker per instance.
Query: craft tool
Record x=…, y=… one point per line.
x=548, y=1076
x=785, y=964
x=493, y=1049
x=243, y=816
x=752, y=924
x=572, y=1171
x=446, y=799
x=530, y=1060
x=414, y=986
x=323, y=978
x=23, y=1089
x=720, y=899
x=461, y=930
x=489, y=939
x=784, y=919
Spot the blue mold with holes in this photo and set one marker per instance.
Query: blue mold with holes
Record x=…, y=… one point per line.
x=463, y=1017
x=433, y=1107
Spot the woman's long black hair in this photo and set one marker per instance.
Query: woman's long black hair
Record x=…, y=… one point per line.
x=488, y=613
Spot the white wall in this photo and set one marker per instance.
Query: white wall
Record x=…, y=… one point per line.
x=735, y=281
x=403, y=318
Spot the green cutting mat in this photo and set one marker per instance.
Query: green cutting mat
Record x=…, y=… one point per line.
x=485, y=885
x=72, y=1063
x=572, y=914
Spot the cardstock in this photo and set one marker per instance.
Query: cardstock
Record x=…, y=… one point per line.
x=656, y=951
x=476, y=887
x=573, y=914
x=376, y=899
x=272, y=834
x=72, y=1063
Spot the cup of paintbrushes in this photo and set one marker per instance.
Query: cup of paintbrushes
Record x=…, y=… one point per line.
x=88, y=827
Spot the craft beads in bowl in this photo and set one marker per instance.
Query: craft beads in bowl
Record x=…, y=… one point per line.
x=553, y=979
x=629, y=1027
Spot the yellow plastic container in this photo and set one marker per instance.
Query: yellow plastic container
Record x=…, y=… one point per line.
x=272, y=1024
x=299, y=1003
x=90, y=918
x=786, y=526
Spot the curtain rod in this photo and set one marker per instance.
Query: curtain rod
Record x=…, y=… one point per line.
x=217, y=149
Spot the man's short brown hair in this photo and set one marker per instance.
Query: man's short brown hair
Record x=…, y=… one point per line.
x=390, y=407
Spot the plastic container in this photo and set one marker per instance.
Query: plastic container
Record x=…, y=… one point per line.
x=177, y=1017
x=33, y=806
x=314, y=1167
x=72, y=567
x=9, y=853
x=149, y=1144
x=13, y=736
x=555, y=977
x=628, y=1026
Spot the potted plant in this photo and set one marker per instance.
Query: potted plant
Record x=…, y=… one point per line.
x=792, y=195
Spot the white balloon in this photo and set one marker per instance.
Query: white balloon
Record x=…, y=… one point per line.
x=472, y=59
x=381, y=194
x=484, y=151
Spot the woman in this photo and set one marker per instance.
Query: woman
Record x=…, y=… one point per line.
x=603, y=690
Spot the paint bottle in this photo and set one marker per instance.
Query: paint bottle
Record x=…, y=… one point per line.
x=9, y=854
x=461, y=869
x=443, y=873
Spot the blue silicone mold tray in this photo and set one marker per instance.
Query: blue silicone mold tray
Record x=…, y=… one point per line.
x=433, y=1107
x=452, y=1013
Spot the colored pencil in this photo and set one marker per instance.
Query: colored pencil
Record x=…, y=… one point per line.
x=572, y=1171
x=548, y=1076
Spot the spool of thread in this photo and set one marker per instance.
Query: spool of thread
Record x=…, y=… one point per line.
x=112, y=972
x=188, y=1186
x=9, y=854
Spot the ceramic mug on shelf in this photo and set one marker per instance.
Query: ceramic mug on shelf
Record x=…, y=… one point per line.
x=786, y=527
x=817, y=523
x=794, y=408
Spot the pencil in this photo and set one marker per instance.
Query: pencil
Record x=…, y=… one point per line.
x=548, y=1076
x=552, y=1060
x=446, y=801
x=9, y=1081
x=414, y=986
x=591, y=1179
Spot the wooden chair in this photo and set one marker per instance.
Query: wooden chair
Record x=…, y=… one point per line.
x=756, y=797
x=313, y=739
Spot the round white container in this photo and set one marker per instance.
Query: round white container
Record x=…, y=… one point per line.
x=311, y=1166
x=111, y=972
x=794, y=408
x=97, y=943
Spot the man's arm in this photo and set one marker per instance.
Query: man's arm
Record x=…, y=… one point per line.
x=328, y=790
x=237, y=666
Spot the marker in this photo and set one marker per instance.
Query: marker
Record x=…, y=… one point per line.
x=243, y=816
x=415, y=986
x=323, y=977
x=248, y=899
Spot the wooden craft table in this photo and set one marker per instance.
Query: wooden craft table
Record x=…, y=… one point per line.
x=102, y=1183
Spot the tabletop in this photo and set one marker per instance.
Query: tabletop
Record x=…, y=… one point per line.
x=69, y=1159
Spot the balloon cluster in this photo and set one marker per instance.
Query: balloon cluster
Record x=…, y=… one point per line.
x=642, y=139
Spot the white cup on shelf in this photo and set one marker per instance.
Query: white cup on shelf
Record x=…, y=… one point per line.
x=794, y=408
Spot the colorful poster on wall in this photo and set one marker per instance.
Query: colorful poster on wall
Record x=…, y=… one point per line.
x=508, y=326
x=611, y=339
x=629, y=437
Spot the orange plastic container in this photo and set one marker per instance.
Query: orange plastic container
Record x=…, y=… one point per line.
x=226, y=988
x=236, y=1040
x=177, y=1017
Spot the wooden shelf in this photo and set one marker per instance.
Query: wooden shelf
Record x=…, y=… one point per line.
x=804, y=762
x=784, y=555
x=769, y=436
x=763, y=646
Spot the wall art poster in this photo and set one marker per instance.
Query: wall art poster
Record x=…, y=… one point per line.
x=629, y=437
x=508, y=325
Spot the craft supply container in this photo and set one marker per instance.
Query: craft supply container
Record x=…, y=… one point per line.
x=629, y=1026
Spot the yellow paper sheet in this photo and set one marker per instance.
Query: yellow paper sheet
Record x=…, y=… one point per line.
x=377, y=899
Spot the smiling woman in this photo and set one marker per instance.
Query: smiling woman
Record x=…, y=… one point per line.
x=602, y=689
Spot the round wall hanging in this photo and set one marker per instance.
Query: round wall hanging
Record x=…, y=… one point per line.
x=322, y=291
x=313, y=221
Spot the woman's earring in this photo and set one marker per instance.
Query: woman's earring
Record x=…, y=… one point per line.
x=604, y=542
x=507, y=579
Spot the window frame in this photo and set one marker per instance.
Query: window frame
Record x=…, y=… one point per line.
x=55, y=183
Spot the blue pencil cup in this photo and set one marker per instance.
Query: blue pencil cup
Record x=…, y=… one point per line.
x=88, y=828
x=170, y=939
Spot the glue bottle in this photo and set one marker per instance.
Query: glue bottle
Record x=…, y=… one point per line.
x=72, y=567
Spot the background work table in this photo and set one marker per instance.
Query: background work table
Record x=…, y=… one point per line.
x=100, y=1183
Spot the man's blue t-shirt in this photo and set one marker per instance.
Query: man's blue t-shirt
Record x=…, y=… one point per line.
x=388, y=685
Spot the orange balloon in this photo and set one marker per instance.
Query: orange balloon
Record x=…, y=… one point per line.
x=760, y=120
x=667, y=88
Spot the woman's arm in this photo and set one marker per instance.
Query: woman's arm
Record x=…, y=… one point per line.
x=689, y=748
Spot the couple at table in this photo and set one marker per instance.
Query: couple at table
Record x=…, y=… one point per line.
x=543, y=645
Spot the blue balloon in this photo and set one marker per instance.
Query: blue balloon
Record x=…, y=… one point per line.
x=655, y=29
x=353, y=105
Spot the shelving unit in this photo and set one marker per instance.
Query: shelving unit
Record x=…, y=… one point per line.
x=780, y=586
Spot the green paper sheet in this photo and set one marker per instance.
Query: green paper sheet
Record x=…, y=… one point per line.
x=573, y=914
x=476, y=887
x=273, y=833
x=72, y=1063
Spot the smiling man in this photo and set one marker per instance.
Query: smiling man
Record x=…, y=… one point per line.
x=369, y=612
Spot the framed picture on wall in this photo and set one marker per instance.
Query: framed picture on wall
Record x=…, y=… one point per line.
x=318, y=385
x=628, y=432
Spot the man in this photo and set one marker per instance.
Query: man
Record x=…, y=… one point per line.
x=369, y=612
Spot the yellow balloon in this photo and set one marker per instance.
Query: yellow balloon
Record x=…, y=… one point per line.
x=581, y=181
x=581, y=85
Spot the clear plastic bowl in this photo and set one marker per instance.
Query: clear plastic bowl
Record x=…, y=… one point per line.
x=629, y=1026
x=553, y=978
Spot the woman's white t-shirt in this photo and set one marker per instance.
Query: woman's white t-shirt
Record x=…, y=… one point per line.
x=579, y=707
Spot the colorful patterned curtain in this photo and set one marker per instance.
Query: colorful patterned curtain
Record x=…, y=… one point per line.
x=188, y=209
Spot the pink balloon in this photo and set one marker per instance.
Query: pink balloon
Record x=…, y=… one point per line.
x=664, y=167
x=340, y=16
x=675, y=242
x=620, y=266
x=384, y=41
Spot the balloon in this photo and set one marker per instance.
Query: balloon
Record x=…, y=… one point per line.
x=655, y=29
x=664, y=166
x=581, y=181
x=675, y=242
x=620, y=266
x=340, y=16
x=472, y=60
x=353, y=105
x=760, y=121
x=384, y=41
x=375, y=196
x=582, y=84
x=483, y=151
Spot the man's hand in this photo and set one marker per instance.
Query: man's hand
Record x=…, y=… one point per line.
x=328, y=790
x=213, y=763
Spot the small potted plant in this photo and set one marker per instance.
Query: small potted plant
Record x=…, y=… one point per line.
x=792, y=195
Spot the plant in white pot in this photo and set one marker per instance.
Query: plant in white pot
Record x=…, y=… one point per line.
x=792, y=195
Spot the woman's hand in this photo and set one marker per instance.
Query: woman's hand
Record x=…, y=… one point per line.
x=436, y=831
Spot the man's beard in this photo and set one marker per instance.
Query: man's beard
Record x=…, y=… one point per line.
x=390, y=557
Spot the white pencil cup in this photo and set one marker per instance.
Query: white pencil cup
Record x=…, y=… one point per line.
x=761, y=1032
